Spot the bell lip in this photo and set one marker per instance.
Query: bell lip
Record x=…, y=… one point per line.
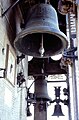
x=42, y=30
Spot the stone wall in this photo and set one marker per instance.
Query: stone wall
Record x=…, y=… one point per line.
x=12, y=98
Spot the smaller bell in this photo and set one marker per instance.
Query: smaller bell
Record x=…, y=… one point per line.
x=28, y=112
x=41, y=89
x=58, y=111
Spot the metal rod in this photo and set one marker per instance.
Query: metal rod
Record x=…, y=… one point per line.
x=77, y=24
x=13, y=5
x=31, y=85
x=73, y=74
x=41, y=49
x=55, y=81
x=71, y=56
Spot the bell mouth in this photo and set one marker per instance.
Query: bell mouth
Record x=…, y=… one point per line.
x=29, y=43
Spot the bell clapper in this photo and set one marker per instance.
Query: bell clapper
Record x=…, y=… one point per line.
x=46, y=1
x=41, y=49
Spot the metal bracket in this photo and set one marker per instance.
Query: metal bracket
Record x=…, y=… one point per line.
x=70, y=53
x=4, y=70
x=67, y=57
x=66, y=6
x=19, y=58
x=20, y=79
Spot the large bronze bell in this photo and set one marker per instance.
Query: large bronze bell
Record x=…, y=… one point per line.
x=58, y=111
x=41, y=89
x=41, y=36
